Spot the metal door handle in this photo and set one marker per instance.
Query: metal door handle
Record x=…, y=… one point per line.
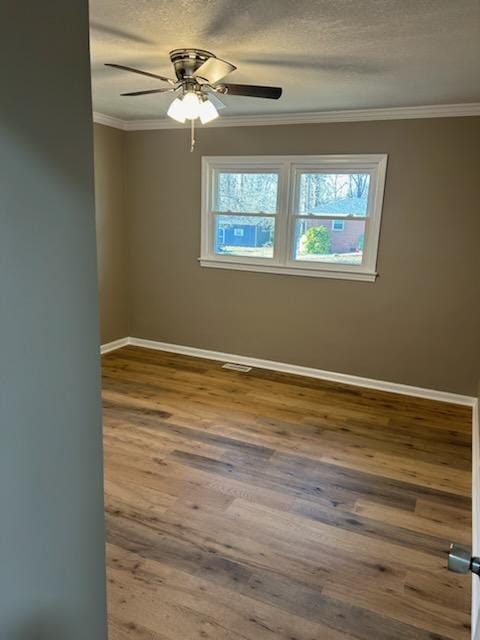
x=460, y=560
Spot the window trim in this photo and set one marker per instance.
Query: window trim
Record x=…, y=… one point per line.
x=332, y=226
x=289, y=169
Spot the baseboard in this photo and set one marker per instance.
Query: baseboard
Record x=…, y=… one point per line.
x=116, y=344
x=475, y=514
x=343, y=378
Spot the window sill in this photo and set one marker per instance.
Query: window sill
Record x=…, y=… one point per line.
x=365, y=276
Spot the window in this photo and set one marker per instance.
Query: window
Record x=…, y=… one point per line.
x=300, y=215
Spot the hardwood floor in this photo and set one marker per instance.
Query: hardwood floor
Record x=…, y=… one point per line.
x=262, y=506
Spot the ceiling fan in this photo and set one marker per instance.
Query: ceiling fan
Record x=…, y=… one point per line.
x=199, y=73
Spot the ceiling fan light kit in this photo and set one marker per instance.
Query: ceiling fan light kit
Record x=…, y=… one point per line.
x=177, y=111
x=191, y=107
x=207, y=111
x=198, y=75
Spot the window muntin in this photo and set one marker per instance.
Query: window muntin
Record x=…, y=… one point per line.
x=290, y=195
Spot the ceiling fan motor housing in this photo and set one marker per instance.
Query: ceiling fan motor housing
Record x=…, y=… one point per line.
x=187, y=61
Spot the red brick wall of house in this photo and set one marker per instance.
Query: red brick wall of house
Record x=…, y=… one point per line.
x=342, y=241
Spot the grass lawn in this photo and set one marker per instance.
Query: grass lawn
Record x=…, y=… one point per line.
x=267, y=252
x=333, y=258
x=248, y=252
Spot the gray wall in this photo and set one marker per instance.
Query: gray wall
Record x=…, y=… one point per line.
x=417, y=324
x=52, y=584
x=112, y=239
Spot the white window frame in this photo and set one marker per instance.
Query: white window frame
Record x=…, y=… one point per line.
x=289, y=169
x=342, y=223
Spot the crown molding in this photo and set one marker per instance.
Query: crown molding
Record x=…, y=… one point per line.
x=109, y=121
x=313, y=117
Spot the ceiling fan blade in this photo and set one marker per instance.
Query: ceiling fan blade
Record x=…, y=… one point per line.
x=142, y=73
x=214, y=69
x=215, y=100
x=144, y=93
x=251, y=90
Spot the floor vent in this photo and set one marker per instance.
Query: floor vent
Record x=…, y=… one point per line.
x=236, y=367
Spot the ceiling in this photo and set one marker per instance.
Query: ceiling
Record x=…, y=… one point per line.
x=326, y=54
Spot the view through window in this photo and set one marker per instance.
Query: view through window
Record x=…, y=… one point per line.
x=312, y=215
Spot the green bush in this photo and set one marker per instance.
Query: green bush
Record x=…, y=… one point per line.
x=317, y=240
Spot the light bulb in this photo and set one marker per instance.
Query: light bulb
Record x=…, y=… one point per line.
x=191, y=105
x=207, y=111
x=177, y=110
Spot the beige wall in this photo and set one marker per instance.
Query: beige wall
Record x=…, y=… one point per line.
x=417, y=324
x=112, y=239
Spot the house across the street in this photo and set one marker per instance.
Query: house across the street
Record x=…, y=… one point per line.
x=346, y=236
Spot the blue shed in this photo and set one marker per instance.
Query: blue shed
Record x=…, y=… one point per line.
x=242, y=234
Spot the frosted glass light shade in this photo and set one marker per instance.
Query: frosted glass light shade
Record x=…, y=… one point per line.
x=208, y=112
x=191, y=105
x=177, y=110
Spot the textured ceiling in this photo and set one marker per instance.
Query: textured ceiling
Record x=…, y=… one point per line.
x=326, y=54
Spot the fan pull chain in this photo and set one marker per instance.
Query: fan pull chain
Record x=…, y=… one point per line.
x=192, y=129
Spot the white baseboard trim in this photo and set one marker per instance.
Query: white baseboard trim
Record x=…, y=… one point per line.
x=116, y=344
x=343, y=378
x=475, y=514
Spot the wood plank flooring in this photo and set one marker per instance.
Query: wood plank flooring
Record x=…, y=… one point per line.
x=262, y=506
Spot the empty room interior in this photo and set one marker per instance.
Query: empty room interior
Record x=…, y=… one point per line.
x=241, y=362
